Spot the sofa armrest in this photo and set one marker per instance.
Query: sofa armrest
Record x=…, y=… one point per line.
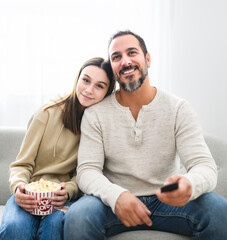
x=10, y=142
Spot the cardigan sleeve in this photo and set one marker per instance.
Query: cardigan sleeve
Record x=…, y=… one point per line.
x=72, y=187
x=22, y=169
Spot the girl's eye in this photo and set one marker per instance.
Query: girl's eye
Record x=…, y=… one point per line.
x=100, y=86
x=85, y=80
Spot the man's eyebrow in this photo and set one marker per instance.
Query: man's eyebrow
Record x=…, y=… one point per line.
x=128, y=50
x=115, y=53
x=132, y=48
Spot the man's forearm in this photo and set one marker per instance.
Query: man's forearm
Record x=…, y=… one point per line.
x=93, y=182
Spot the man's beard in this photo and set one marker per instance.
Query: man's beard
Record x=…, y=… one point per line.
x=132, y=86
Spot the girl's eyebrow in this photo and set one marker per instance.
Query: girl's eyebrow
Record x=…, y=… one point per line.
x=103, y=83
x=85, y=75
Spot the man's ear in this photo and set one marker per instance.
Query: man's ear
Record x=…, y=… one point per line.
x=148, y=59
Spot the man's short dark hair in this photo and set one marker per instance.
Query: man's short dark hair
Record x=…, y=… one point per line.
x=128, y=32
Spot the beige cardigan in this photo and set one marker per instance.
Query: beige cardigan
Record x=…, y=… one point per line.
x=48, y=151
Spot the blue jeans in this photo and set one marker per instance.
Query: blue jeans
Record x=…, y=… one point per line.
x=17, y=224
x=204, y=218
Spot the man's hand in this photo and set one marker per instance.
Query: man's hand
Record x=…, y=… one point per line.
x=131, y=211
x=27, y=202
x=177, y=197
x=60, y=197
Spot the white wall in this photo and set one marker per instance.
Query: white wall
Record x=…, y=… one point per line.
x=43, y=43
x=198, y=60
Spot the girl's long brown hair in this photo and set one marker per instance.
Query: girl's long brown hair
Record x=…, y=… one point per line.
x=73, y=111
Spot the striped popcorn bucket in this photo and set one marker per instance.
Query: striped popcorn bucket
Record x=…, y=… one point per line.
x=44, y=206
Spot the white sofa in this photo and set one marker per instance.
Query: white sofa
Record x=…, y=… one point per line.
x=11, y=139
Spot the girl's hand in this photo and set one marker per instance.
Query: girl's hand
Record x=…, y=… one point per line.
x=27, y=202
x=60, y=197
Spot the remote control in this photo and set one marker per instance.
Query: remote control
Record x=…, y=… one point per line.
x=169, y=187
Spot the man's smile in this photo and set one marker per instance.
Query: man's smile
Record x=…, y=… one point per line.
x=127, y=70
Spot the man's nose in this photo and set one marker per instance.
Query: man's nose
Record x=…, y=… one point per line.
x=126, y=61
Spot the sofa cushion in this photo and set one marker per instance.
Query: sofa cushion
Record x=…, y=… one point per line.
x=148, y=235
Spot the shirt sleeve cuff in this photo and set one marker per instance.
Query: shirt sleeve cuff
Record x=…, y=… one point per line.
x=113, y=194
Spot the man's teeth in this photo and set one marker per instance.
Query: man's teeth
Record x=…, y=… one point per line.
x=129, y=71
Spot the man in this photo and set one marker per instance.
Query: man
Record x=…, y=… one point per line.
x=133, y=137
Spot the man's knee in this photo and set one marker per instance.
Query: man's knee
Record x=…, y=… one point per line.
x=211, y=209
x=212, y=201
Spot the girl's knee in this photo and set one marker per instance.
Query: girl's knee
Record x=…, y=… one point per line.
x=84, y=209
x=13, y=227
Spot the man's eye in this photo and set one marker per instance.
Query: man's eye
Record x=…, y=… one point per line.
x=115, y=58
x=132, y=53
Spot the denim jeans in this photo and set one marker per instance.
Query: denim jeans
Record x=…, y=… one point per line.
x=204, y=218
x=17, y=224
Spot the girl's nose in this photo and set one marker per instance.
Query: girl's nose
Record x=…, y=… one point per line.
x=89, y=89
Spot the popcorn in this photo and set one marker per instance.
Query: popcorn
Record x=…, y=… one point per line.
x=42, y=186
x=43, y=191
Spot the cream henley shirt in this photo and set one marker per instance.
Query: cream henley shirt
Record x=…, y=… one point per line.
x=118, y=153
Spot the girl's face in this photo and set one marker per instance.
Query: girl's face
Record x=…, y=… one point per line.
x=92, y=85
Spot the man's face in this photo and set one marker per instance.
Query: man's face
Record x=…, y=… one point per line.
x=130, y=66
